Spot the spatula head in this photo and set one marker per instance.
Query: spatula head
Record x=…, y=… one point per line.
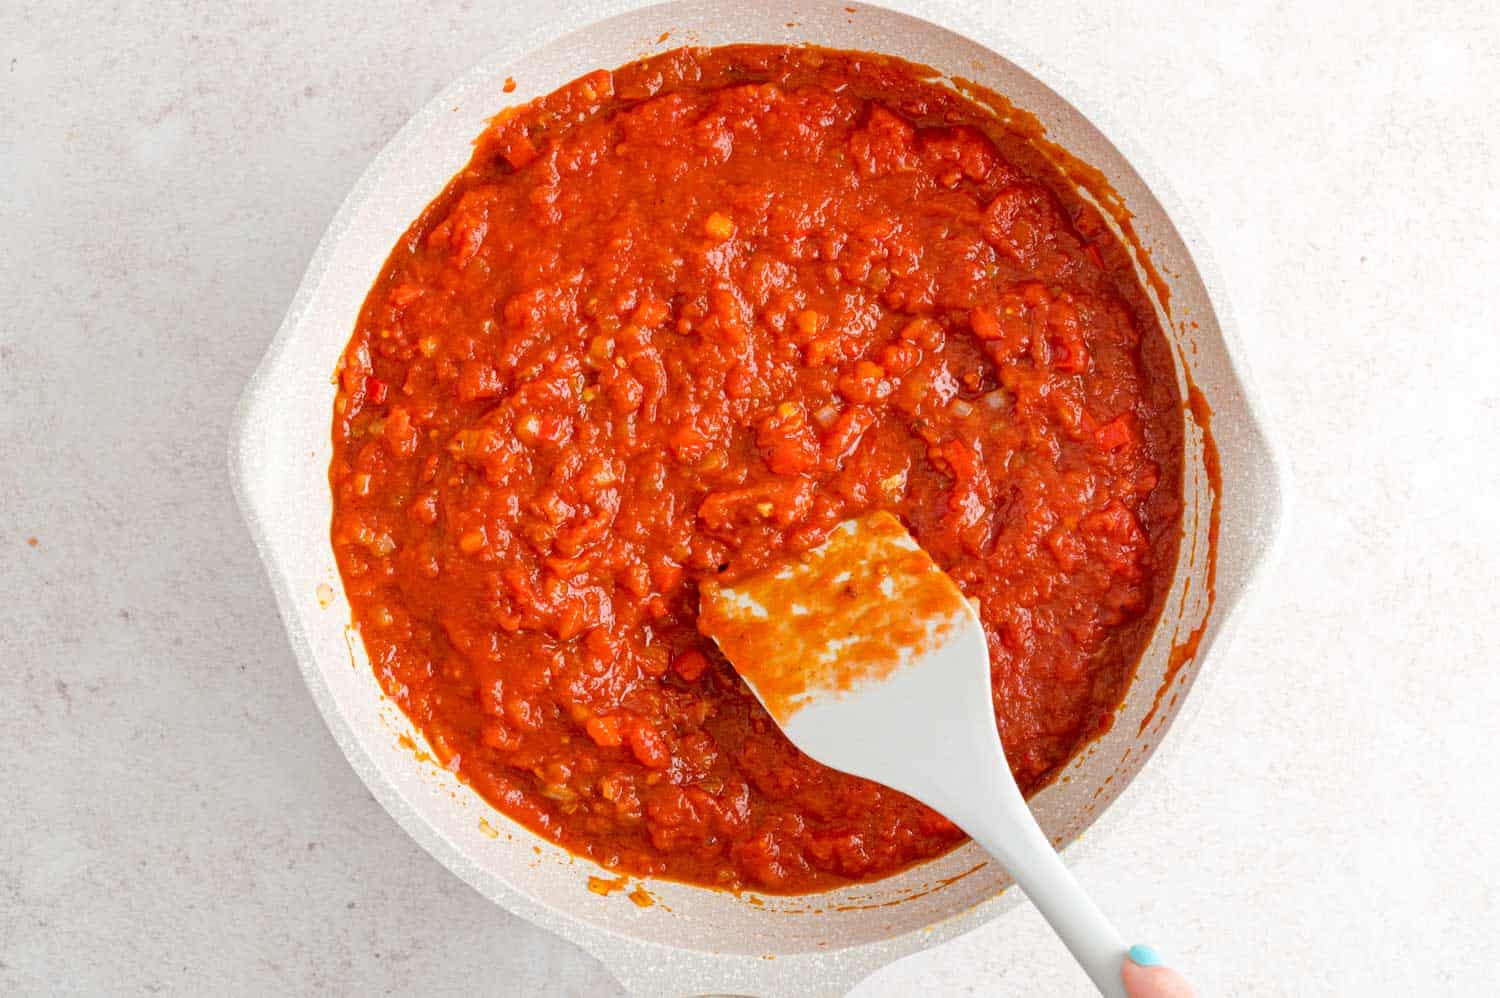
x=864, y=651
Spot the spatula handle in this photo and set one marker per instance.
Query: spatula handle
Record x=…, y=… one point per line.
x=1036, y=867
x=996, y=816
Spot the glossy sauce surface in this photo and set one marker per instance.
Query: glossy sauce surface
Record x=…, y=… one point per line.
x=674, y=323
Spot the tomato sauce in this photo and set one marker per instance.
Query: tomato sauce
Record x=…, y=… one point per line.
x=678, y=321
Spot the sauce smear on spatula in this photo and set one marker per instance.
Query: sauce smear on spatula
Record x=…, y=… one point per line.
x=857, y=606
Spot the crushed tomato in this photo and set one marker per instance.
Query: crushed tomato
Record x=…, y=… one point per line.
x=676, y=321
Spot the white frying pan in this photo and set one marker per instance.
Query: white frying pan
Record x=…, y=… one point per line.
x=693, y=940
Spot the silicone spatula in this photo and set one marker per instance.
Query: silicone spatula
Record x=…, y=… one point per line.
x=874, y=663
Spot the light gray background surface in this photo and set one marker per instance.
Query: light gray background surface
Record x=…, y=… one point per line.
x=174, y=818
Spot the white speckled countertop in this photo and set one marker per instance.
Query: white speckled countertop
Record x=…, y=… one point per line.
x=176, y=819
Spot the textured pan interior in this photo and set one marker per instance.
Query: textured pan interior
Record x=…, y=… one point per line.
x=822, y=943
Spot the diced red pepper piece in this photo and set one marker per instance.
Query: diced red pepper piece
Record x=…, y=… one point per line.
x=605, y=731
x=1114, y=434
x=405, y=294
x=649, y=747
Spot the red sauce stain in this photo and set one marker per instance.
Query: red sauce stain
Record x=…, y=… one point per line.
x=931, y=889
x=844, y=613
x=510, y=85
x=32, y=541
x=405, y=741
x=1184, y=651
x=639, y=896
x=663, y=37
x=604, y=887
